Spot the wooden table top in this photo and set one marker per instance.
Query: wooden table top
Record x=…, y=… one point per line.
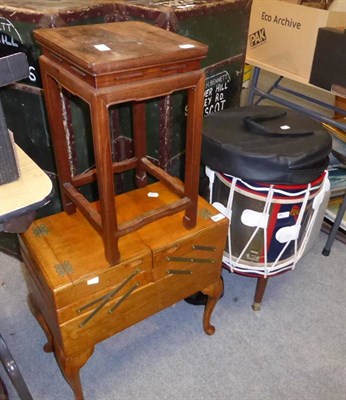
x=31, y=191
x=104, y=48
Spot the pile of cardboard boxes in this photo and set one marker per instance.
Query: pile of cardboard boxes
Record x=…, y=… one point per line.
x=286, y=37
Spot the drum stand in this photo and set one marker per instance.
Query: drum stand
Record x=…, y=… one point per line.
x=260, y=289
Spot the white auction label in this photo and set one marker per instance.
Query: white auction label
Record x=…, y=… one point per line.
x=153, y=194
x=102, y=47
x=186, y=46
x=93, y=281
x=218, y=217
x=284, y=214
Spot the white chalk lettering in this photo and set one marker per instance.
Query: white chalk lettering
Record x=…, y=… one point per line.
x=215, y=93
x=8, y=41
x=218, y=78
x=219, y=106
x=221, y=87
x=9, y=34
x=5, y=26
x=32, y=75
x=208, y=92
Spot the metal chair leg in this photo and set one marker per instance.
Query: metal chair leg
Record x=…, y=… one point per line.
x=13, y=371
x=336, y=225
x=3, y=391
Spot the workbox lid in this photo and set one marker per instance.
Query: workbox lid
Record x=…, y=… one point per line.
x=68, y=250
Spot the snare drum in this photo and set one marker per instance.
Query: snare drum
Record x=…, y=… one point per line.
x=270, y=224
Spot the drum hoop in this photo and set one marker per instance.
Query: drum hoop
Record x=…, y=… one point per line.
x=254, y=191
x=259, y=268
x=281, y=186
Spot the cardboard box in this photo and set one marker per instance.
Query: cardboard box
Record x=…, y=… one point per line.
x=329, y=63
x=283, y=36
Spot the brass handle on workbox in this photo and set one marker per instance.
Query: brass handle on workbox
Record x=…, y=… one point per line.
x=200, y=247
x=191, y=259
x=179, y=272
x=105, y=299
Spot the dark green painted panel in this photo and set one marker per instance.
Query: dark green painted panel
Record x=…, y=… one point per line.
x=9, y=244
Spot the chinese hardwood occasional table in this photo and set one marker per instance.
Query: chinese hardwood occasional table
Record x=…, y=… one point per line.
x=109, y=64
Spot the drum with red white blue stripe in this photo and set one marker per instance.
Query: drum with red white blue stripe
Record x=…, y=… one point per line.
x=270, y=224
x=266, y=168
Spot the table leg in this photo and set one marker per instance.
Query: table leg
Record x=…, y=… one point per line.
x=70, y=367
x=139, y=141
x=49, y=346
x=105, y=178
x=214, y=292
x=193, y=149
x=64, y=164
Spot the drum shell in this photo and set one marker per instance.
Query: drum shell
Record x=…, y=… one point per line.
x=283, y=212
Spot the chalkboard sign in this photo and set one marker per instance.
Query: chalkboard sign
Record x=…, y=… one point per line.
x=217, y=92
x=12, y=68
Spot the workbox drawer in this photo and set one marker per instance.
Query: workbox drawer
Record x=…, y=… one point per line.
x=204, y=250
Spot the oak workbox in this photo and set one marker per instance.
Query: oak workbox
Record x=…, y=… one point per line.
x=79, y=300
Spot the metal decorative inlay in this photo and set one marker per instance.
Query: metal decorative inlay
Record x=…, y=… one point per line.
x=179, y=272
x=40, y=230
x=191, y=259
x=63, y=269
x=124, y=297
x=204, y=248
x=105, y=299
x=113, y=292
x=204, y=213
